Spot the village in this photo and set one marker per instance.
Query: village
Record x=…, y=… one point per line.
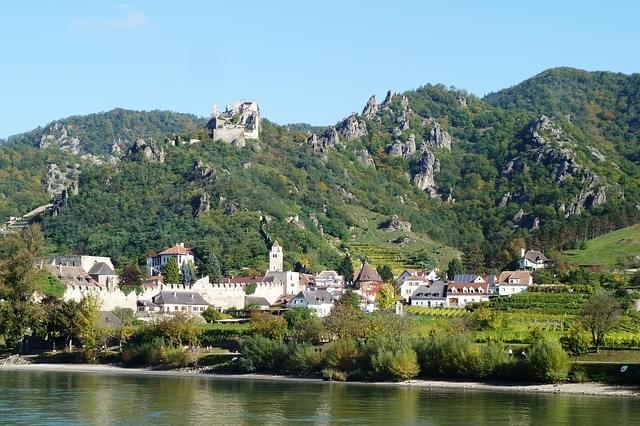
x=278, y=288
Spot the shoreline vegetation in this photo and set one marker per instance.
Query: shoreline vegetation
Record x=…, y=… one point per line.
x=589, y=388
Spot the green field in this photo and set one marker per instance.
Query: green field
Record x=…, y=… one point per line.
x=614, y=249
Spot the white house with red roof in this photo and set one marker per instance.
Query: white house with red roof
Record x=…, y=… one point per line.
x=411, y=279
x=466, y=289
x=179, y=252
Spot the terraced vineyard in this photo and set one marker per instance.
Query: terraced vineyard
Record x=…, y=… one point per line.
x=377, y=256
x=545, y=303
x=436, y=312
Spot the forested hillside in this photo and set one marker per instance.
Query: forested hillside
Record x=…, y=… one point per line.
x=408, y=182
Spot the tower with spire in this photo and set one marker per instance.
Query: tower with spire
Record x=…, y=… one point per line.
x=276, y=258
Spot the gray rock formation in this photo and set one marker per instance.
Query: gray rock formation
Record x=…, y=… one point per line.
x=438, y=138
x=203, y=171
x=321, y=145
x=462, y=100
x=150, y=151
x=200, y=205
x=371, y=108
x=352, y=128
x=395, y=224
x=541, y=131
x=58, y=135
x=424, y=177
x=402, y=149
x=389, y=98
x=59, y=181
x=365, y=158
x=596, y=154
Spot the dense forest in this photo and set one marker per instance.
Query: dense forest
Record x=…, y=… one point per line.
x=412, y=180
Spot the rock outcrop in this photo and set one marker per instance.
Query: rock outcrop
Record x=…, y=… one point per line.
x=395, y=224
x=57, y=134
x=203, y=172
x=149, y=151
x=321, y=144
x=59, y=181
x=200, y=205
x=365, y=158
x=424, y=176
x=438, y=138
x=371, y=108
x=352, y=128
x=402, y=149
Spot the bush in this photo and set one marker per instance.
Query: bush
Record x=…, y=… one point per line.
x=548, y=362
x=495, y=360
x=304, y=359
x=177, y=358
x=211, y=315
x=575, y=343
x=342, y=355
x=454, y=355
x=269, y=326
x=401, y=364
x=149, y=353
x=330, y=374
x=263, y=354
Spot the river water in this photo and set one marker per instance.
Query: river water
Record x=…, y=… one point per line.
x=66, y=398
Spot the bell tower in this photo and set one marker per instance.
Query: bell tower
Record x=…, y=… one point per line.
x=276, y=258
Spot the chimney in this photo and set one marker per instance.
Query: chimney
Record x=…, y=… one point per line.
x=522, y=252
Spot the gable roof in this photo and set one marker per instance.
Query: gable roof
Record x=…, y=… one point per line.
x=367, y=273
x=72, y=275
x=523, y=277
x=256, y=300
x=466, y=278
x=176, y=249
x=178, y=298
x=315, y=297
x=535, y=256
x=101, y=268
x=437, y=290
x=456, y=287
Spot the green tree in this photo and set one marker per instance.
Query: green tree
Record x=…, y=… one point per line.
x=345, y=268
x=85, y=324
x=210, y=265
x=125, y=329
x=295, y=316
x=385, y=273
x=267, y=325
x=600, y=315
x=187, y=273
x=19, y=314
x=171, y=271
x=131, y=279
x=454, y=268
x=386, y=297
x=473, y=259
x=548, y=362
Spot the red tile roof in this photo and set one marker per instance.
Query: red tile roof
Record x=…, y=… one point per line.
x=177, y=249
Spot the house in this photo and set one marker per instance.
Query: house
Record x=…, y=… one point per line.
x=432, y=295
x=172, y=302
x=532, y=260
x=76, y=279
x=147, y=307
x=329, y=280
x=179, y=252
x=410, y=280
x=321, y=301
x=103, y=273
x=469, y=278
x=513, y=282
x=366, y=279
x=258, y=302
x=460, y=294
x=431, y=275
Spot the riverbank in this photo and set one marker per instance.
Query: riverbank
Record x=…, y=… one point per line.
x=598, y=389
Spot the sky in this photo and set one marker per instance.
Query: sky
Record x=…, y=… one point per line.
x=303, y=61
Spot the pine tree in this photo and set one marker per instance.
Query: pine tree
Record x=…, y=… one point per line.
x=454, y=268
x=187, y=273
x=346, y=269
x=172, y=272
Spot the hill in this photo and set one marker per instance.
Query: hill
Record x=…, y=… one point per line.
x=619, y=248
x=411, y=180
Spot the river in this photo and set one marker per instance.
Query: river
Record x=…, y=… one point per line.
x=72, y=398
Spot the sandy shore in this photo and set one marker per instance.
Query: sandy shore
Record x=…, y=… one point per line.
x=567, y=388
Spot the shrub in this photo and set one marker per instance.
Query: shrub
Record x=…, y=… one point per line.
x=453, y=355
x=262, y=354
x=176, y=358
x=342, y=355
x=305, y=359
x=548, y=362
x=576, y=342
x=330, y=374
x=401, y=364
x=495, y=360
x=269, y=326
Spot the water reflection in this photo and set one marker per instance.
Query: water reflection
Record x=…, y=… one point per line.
x=84, y=398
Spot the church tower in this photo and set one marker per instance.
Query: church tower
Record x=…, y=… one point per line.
x=276, y=258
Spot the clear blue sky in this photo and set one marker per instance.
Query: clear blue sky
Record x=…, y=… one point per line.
x=302, y=62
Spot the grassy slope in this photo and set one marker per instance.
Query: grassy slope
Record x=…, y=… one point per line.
x=610, y=249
